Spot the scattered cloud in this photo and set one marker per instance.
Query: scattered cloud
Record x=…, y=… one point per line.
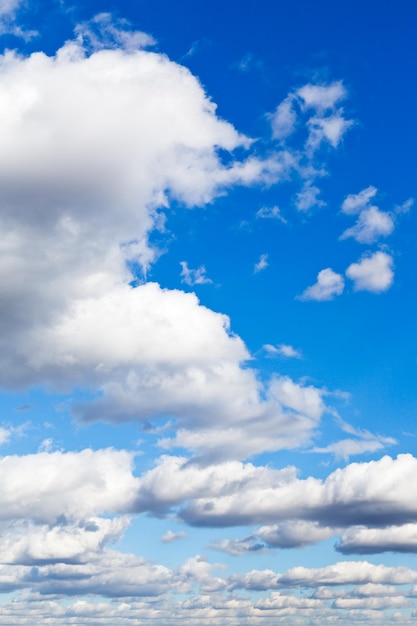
x=372, y=273
x=355, y=203
x=262, y=264
x=284, y=119
x=239, y=547
x=282, y=350
x=404, y=207
x=312, y=111
x=273, y=213
x=248, y=63
x=104, y=32
x=371, y=225
x=308, y=197
x=329, y=284
x=170, y=536
x=322, y=97
x=194, y=277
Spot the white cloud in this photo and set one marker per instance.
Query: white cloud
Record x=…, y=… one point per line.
x=308, y=197
x=314, y=111
x=341, y=573
x=346, y=448
x=372, y=224
x=262, y=264
x=75, y=485
x=322, y=97
x=372, y=273
x=284, y=119
x=347, y=573
x=355, y=203
x=65, y=542
x=294, y=534
x=285, y=419
x=273, y=213
x=330, y=129
x=4, y=435
x=103, y=31
x=371, y=603
x=329, y=284
x=404, y=207
x=170, y=536
x=328, y=124
x=363, y=540
x=276, y=601
x=194, y=277
x=8, y=7
x=239, y=547
x=92, y=147
x=377, y=492
x=283, y=349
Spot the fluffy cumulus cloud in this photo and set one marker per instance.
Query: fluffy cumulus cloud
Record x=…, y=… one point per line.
x=71, y=485
x=286, y=418
x=363, y=540
x=93, y=145
x=329, y=284
x=377, y=493
x=64, y=542
x=372, y=272
x=371, y=225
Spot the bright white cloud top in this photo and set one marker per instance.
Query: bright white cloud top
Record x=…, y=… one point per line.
x=158, y=465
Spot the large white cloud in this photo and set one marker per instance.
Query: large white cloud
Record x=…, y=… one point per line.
x=376, y=493
x=65, y=542
x=72, y=485
x=363, y=540
x=93, y=145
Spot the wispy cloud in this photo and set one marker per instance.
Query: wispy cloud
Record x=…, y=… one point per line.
x=284, y=350
x=170, y=536
x=194, y=276
x=262, y=264
x=270, y=213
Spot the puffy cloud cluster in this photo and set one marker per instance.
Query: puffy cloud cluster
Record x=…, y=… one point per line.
x=373, y=272
x=373, y=494
x=316, y=109
x=372, y=223
x=326, y=121
x=94, y=145
x=71, y=485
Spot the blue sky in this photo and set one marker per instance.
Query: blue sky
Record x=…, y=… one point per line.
x=208, y=343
